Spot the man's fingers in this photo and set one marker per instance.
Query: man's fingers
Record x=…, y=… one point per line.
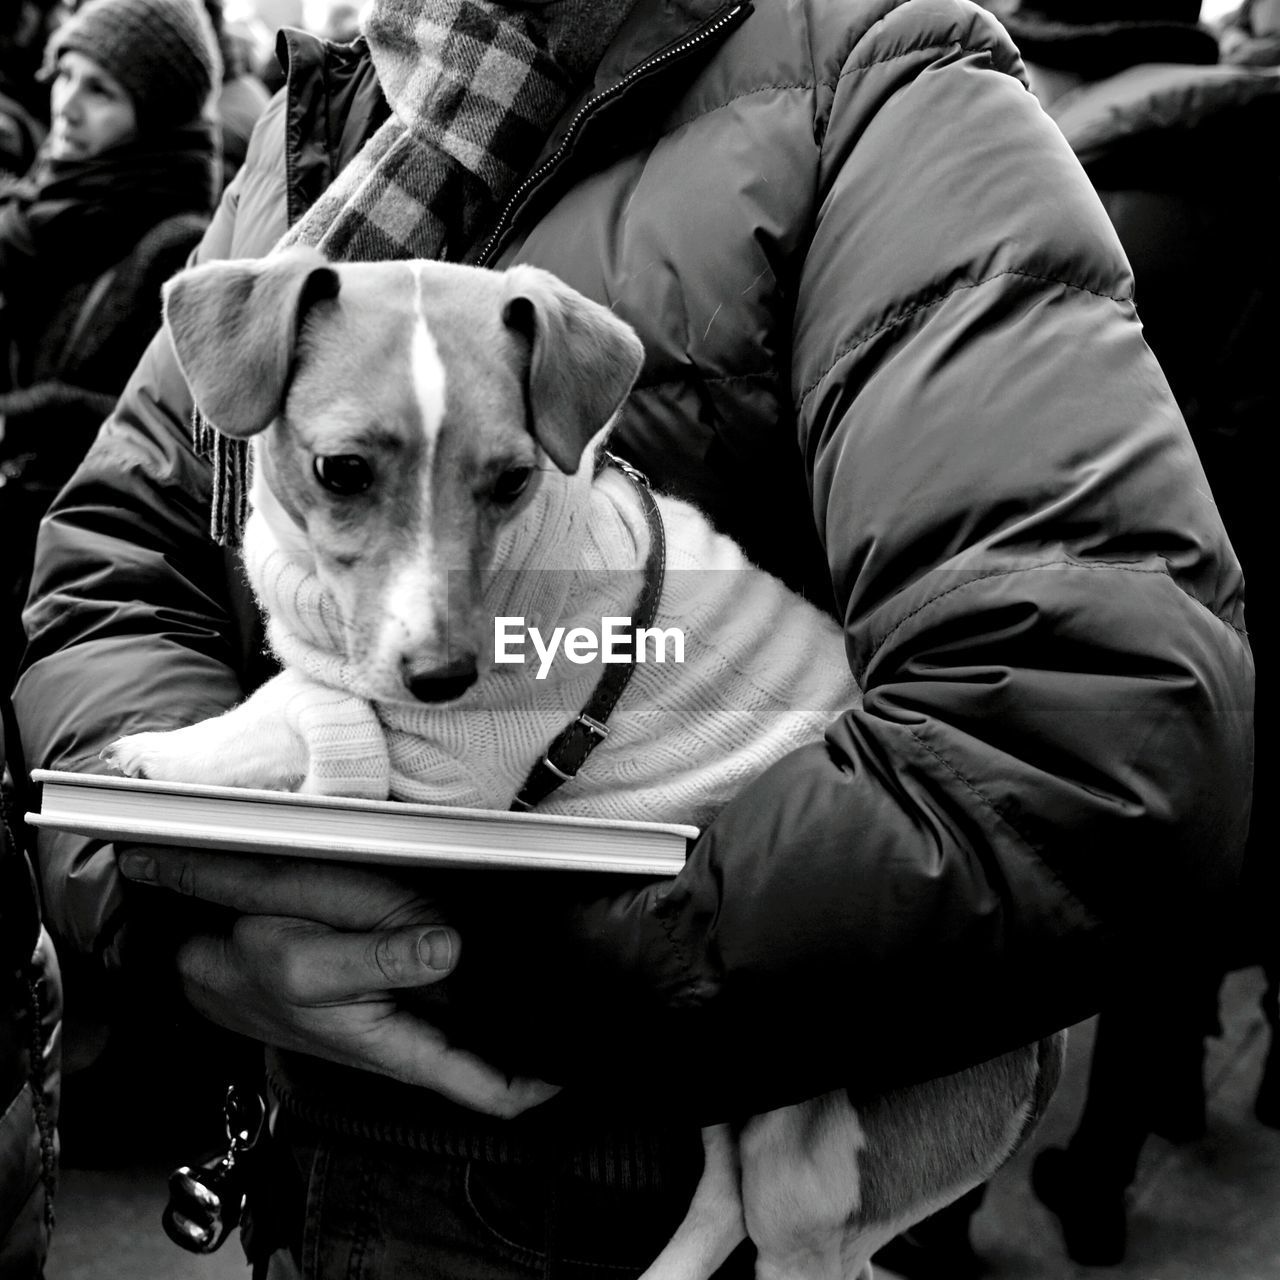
x=413, y=1051
x=311, y=964
x=342, y=896
x=211, y=977
x=259, y=982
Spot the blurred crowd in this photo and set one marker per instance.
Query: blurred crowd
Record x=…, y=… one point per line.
x=123, y=121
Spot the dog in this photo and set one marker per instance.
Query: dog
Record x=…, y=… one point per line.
x=426, y=442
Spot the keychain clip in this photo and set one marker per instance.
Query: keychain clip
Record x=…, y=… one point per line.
x=206, y=1202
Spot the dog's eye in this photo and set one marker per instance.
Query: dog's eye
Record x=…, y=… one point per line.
x=511, y=484
x=343, y=473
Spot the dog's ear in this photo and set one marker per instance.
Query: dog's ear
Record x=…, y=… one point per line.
x=583, y=361
x=234, y=327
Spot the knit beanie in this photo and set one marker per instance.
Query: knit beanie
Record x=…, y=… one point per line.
x=163, y=53
x=1097, y=38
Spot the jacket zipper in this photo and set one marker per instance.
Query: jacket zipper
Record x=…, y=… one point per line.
x=675, y=51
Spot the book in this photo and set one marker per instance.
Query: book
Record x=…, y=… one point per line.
x=389, y=832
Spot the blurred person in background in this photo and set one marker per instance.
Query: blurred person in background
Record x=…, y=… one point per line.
x=24, y=104
x=120, y=193
x=1180, y=150
x=342, y=23
x=1250, y=37
x=270, y=18
x=242, y=97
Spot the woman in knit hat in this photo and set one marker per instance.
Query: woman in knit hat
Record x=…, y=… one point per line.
x=119, y=194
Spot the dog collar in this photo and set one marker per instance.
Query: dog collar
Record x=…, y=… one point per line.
x=569, y=750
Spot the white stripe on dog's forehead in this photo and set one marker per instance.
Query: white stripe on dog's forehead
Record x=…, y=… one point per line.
x=428, y=371
x=409, y=592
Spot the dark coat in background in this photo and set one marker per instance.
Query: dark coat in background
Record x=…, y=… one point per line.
x=30, y=1012
x=20, y=137
x=84, y=248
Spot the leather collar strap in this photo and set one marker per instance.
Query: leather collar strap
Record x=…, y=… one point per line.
x=570, y=749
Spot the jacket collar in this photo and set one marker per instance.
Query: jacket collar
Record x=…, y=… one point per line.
x=651, y=53
x=652, y=27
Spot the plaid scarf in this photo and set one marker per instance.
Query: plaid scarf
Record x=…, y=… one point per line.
x=474, y=87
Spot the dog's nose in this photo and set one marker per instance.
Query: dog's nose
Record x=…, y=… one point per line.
x=444, y=683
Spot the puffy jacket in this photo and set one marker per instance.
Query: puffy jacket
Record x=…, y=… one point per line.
x=30, y=1025
x=892, y=348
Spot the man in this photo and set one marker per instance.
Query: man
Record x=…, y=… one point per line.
x=891, y=349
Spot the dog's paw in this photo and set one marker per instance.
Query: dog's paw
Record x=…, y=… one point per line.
x=146, y=755
x=130, y=755
x=224, y=751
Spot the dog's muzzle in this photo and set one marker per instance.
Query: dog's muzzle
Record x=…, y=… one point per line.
x=443, y=684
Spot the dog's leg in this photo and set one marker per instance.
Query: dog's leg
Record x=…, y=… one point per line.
x=825, y=1185
x=713, y=1227
x=252, y=745
x=801, y=1185
x=286, y=736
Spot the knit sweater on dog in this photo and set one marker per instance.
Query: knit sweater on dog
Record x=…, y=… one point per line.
x=763, y=671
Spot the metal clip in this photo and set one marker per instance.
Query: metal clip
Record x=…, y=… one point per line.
x=627, y=468
x=593, y=725
x=547, y=763
x=206, y=1202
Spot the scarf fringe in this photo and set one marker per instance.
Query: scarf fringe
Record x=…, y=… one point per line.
x=232, y=474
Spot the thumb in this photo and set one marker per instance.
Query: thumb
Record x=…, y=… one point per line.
x=317, y=965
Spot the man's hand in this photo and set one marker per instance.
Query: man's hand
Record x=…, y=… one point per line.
x=313, y=962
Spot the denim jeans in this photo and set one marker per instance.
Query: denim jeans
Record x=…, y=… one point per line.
x=383, y=1213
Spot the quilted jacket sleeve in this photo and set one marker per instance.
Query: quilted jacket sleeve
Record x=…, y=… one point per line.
x=1048, y=774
